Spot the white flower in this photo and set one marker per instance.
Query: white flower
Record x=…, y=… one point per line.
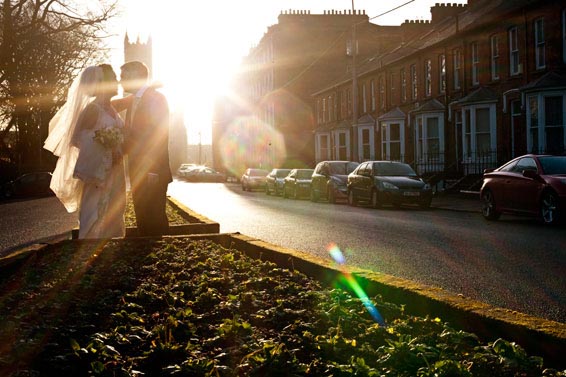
x=110, y=137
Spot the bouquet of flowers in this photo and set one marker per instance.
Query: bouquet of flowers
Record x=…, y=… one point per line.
x=110, y=137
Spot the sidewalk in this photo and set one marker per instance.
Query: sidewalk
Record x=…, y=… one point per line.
x=468, y=202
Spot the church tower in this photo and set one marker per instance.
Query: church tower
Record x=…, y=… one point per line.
x=139, y=51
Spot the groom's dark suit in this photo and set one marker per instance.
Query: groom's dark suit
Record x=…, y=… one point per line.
x=146, y=145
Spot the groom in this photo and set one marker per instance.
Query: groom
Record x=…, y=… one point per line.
x=146, y=145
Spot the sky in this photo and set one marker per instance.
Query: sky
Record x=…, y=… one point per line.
x=198, y=46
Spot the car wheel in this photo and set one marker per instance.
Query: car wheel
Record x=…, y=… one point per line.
x=488, y=206
x=331, y=196
x=549, y=208
x=352, y=200
x=314, y=196
x=8, y=192
x=375, y=203
x=425, y=204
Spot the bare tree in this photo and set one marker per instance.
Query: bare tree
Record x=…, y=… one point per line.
x=43, y=45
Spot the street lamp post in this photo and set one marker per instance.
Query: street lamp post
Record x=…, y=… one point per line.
x=354, y=87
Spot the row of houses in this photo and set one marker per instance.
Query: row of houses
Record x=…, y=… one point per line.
x=476, y=85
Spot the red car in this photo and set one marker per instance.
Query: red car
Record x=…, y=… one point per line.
x=533, y=185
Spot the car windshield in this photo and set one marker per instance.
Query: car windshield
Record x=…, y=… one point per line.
x=552, y=165
x=258, y=172
x=393, y=169
x=304, y=174
x=282, y=173
x=342, y=168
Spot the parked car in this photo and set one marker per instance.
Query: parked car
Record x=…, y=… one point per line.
x=330, y=180
x=274, y=181
x=297, y=183
x=253, y=179
x=533, y=185
x=184, y=168
x=30, y=184
x=204, y=174
x=387, y=182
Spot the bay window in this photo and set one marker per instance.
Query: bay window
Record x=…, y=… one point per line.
x=546, y=114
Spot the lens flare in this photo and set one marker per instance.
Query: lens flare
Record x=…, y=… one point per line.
x=339, y=258
x=249, y=142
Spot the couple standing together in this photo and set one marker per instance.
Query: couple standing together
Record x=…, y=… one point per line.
x=92, y=142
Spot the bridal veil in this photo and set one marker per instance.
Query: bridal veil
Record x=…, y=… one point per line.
x=62, y=137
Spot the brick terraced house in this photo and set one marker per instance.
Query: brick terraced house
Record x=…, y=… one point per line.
x=271, y=122
x=478, y=84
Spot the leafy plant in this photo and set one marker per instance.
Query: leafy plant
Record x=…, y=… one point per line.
x=178, y=307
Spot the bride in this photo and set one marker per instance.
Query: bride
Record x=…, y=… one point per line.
x=86, y=135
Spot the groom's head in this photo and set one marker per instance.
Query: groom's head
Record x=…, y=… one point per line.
x=133, y=75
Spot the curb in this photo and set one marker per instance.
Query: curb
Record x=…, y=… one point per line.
x=197, y=223
x=464, y=197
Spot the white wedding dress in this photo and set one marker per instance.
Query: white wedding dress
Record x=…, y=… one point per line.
x=103, y=197
x=86, y=179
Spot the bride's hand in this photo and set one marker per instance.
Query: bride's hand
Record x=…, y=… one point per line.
x=116, y=155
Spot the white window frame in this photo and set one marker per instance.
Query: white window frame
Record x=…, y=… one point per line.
x=540, y=50
x=541, y=116
x=372, y=94
x=335, y=110
x=414, y=83
x=319, y=147
x=514, y=57
x=457, y=63
x=472, y=155
x=564, y=35
x=421, y=132
x=516, y=115
x=494, y=43
x=428, y=77
x=403, y=78
x=391, y=88
x=370, y=130
x=475, y=63
x=349, y=108
x=386, y=138
x=330, y=106
x=382, y=99
x=442, y=73
x=324, y=110
x=364, y=98
x=337, y=146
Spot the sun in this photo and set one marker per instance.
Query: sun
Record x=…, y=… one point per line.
x=192, y=60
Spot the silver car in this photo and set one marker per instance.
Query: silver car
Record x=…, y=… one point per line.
x=253, y=179
x=275, y=180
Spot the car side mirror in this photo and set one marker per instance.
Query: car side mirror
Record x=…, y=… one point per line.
x=489, y=170
x=529, y=173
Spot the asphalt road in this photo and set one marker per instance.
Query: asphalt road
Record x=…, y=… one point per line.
x=514, y=263
x=36, y=220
